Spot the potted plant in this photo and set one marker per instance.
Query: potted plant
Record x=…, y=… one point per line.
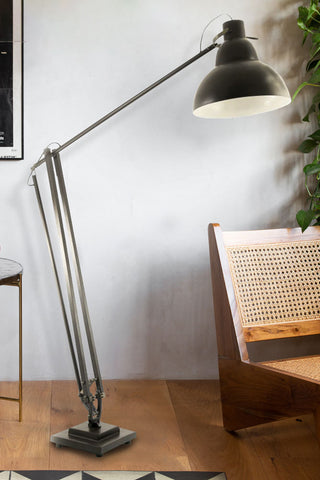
x=309, y=22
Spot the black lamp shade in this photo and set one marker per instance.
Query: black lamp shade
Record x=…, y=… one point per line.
x=240, y=85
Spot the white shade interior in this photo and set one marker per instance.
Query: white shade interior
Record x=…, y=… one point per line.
x=241, y=107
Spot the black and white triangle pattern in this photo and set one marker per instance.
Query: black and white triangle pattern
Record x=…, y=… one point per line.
x=108, y=475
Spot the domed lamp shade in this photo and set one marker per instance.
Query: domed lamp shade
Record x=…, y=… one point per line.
x=240, y=85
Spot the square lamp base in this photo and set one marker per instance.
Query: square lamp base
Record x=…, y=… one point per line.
x=98, y=441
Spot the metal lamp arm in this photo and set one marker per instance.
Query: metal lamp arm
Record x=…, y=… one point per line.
x=69, y=253
x=132, y=99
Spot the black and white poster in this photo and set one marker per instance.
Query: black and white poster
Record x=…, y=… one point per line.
x=11, y=80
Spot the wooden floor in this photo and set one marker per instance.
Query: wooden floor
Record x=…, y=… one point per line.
x=178, y=425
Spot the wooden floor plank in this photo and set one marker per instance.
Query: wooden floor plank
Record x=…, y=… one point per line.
x=288, y=449
x=288, y=439
x=290, y=469
x=262, y=452
x=24, y=445
x=178, y=425
x=142, y=406
x=208, y=446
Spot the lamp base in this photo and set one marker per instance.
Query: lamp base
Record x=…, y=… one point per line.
x=98, y=441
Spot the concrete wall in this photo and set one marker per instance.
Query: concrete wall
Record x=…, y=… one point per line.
x=144, y=186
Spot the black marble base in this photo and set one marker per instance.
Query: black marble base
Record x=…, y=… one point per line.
x=82, y=438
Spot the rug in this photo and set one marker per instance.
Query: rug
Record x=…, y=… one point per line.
x=108, y=475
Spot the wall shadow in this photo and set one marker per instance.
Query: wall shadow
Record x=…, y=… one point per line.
x=285, y=46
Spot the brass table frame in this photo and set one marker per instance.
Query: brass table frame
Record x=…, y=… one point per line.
x=16, y=281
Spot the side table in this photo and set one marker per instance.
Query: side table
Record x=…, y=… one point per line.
x=11, y=275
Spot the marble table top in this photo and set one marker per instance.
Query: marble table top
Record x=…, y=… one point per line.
x=9, y=268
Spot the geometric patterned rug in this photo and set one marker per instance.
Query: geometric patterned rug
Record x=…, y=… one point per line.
x=107, y=475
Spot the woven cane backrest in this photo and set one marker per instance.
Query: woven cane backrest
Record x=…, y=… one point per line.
x=276, y=287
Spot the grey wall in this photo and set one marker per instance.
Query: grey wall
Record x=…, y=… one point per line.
x=143, y=187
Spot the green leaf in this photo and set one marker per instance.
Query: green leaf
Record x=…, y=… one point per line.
x=315, y=50
x=304, y=218
x=313, y=64
x=316, y=159
x=307, y=146
x=311, y=169
x=303, y=13
x=315, y=77
x=303, y=17
x=315, y=37
x=316, y=98
x=315, y=135
x=308, y=17
x=305, y=36
x=312, y=109
x=299, y=89
x=313, y=12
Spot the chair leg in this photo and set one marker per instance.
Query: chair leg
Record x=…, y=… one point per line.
x=235, y=418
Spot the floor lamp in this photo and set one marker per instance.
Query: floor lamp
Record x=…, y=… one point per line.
x=239, y=85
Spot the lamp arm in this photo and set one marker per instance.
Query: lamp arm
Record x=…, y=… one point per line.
x=131, y=100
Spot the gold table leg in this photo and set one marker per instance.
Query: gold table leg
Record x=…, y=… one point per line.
x=17, y=282
x=20, y=347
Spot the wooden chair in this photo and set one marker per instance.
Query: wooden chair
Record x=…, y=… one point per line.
x=266, y=285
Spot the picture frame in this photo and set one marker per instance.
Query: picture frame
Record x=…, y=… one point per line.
x=11, y=80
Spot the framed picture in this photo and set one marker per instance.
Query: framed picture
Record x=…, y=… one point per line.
x=11, y=79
